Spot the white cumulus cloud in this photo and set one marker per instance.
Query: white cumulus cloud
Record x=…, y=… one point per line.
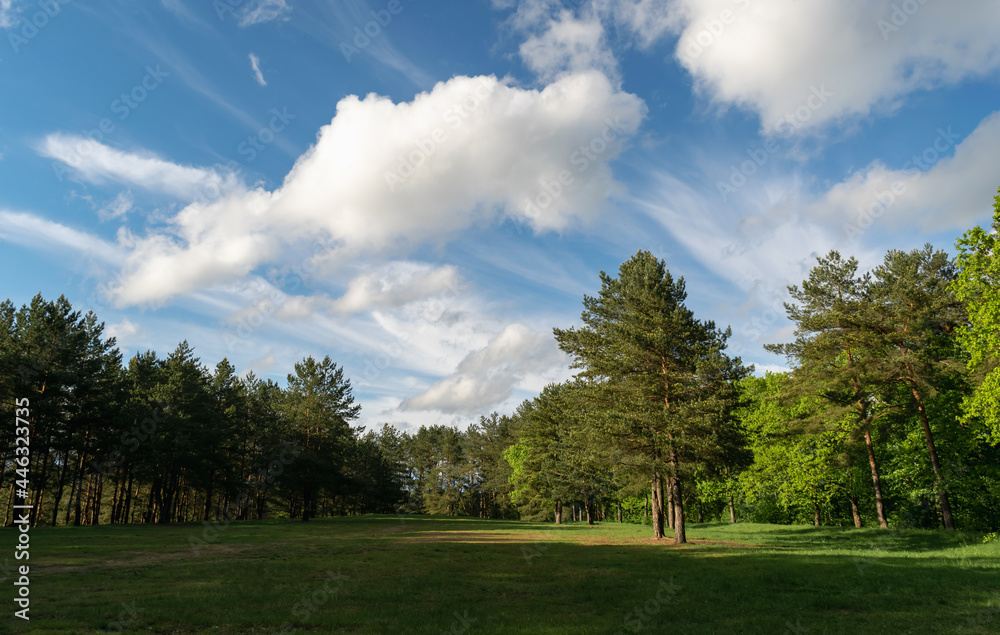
x=386, y=176
x=568, y=43
x=934, y=189
x=769, y=55
x=488, y=376
x=125, y=331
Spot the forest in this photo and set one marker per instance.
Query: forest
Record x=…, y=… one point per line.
x=889, y=417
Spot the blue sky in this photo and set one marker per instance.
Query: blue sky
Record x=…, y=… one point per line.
x=423, y=190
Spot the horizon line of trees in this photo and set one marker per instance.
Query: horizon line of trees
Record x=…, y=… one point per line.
x=889, y=416
x=891, y=412
x=163, y=440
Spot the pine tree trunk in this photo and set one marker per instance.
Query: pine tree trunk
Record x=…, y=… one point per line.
x=40, y=491
x=942, y=492
x=10, y=501
x=81, y=458
x=208, y=495
x=879, y=504
x=656, y=499
x=98, y=493
x=680, y=534
x=86, y=499
x=589, y=506
x=620, y=512
x=670, y=502
x=154, y=495
x=558, y=513
x=59, y=489
x=855, y=512
x=126, y=514
x=815, y=514
x=116, y=498
x=732, y=510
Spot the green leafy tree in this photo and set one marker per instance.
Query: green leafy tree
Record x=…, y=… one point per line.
x=978, y=286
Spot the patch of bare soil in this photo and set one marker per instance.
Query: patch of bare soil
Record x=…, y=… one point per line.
x=144, y=557
x=474, y=536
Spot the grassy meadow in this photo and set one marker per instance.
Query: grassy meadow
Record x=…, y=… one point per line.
x=387, y=574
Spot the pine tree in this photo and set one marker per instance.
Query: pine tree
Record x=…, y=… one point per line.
x=665, y=384
x=918, y=319
x=836, y=353
x=318, y=406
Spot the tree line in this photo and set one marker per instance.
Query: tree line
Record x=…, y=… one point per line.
x=890, y=416
x=890, y=413
x=166, y=439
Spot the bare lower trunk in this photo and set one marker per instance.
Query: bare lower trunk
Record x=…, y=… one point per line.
x=98, y=495
x=855, y=512
x=558, y=513
x=306, y=502
x=59, y=489
x=879, y=504
x=589, y=506
x=657, y=505
x=208, y=496
x=620, y=512
x=670, y=502
x=732, y=510
x=10, y=502
x=80, y=497
x=815, y=514
x=680, y=536
x=942, y=492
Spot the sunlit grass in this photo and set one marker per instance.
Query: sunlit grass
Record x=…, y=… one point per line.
x=431, y=575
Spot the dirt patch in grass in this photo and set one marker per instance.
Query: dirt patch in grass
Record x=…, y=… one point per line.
x=145, y=557
x=669, y=542
x=474, y=537
x=524, y=537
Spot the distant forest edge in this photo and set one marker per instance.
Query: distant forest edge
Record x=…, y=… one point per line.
x=890, y=417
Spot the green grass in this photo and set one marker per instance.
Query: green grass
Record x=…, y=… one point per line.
x=383, y=574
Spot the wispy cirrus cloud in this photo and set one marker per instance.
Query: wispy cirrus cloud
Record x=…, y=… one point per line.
x=8, y=15
x=257, y=74
x=39, y=233
x=99, y=163
x=261, y=11
x=118, y=208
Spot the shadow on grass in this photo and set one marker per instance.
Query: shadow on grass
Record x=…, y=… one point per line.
x=348, y=575
x=909, y=540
